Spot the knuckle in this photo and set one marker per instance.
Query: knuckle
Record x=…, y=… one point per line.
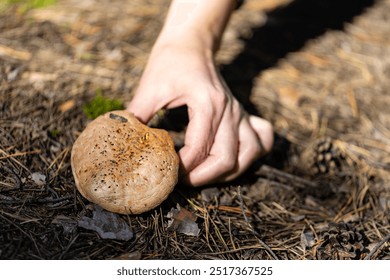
x=213, y=95
x=199, y=153
x=219, y=97
x=227, y=163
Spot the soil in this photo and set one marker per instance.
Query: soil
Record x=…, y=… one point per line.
x=319, y=70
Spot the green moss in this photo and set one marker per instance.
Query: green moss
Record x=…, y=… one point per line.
x=101, y=105
x=25, y=5
x=31, y=3
x=54, y=133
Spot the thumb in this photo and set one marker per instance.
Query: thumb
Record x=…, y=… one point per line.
x=142, y=108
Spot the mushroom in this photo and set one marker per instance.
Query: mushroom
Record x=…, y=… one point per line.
x=123, y=165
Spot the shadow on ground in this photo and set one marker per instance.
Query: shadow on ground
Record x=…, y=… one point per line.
x=287, y=30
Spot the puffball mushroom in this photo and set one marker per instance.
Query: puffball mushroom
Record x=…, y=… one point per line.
x=123, y=165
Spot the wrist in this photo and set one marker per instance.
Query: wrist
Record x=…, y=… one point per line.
x=197, y=21
x=188, y=37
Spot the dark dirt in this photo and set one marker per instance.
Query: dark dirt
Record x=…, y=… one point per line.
x=319, y=70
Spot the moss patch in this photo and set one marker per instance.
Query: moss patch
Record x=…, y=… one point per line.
x=101, y=105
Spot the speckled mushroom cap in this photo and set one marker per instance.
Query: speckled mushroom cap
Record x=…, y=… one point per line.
x=123, y=165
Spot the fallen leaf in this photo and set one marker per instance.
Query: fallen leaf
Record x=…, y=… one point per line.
x=307, y=240
x=183, y=221
x=107, y=224
x=66, y=106
x=38, y=178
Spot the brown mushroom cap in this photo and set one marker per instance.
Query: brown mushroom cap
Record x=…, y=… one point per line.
x=123, y=165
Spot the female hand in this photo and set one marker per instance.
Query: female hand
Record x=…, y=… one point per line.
x=222, y=139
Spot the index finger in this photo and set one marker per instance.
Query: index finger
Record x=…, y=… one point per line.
x=199, y=137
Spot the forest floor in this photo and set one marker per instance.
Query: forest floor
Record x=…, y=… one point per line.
x=319, y=70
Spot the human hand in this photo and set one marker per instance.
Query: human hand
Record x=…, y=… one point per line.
x=222, y=139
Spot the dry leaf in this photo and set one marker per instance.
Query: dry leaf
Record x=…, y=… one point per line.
x=38, y=178
x=66, y=106
x=107, y=224
x=182, y=221
x=307, y=240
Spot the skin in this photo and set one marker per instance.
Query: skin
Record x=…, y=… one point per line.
x=222, y=140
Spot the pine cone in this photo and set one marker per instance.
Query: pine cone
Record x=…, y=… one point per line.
x=322, y=157
x=342, y=242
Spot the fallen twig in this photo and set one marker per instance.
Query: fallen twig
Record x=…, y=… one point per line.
x=7, y=51
x=376, y=248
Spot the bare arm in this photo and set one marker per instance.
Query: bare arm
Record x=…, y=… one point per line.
x=207, y=18
x=221, y=140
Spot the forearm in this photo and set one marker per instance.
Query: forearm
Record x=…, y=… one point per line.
x=204, y=19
